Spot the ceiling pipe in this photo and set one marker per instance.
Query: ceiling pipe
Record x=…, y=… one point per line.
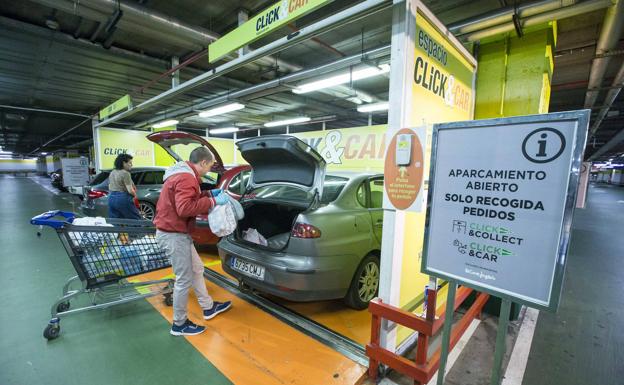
x=545, y=17
x=304, y=74
x=617, y=85
x=608, y=40
x=136, y=19
x=503, y=15
x=615, y=141
x=60, y=135
x=43, y=110
x=327, y=24
x=147, y=17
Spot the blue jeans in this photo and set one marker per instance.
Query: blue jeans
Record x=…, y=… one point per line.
x=121, y=205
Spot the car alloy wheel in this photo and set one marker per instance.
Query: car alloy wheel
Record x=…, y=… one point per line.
x=146, y=210
x=368, y=281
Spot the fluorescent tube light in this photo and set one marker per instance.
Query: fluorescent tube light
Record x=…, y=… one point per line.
x=221, y=110
x=166, y=123
x=373, y=107
x=342, y=79
x=224, y=130
x=286, y=122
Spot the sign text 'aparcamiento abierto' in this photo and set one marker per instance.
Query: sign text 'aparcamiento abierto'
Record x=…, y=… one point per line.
x=501, y=203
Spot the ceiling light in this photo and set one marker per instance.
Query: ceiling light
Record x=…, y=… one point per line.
x=221, y=110
x=44, y=153
x=355, y=100
x=166, y=123
x=374, y=107
x=286, y=122
x=224, y=130
x=52, y=23
x=342, y=79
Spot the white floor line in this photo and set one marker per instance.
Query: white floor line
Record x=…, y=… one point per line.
x=522, y=348
x=454, y=355
x=45, y=185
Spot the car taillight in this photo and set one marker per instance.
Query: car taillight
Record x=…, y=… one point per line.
x=95, y=194
x=304, y=230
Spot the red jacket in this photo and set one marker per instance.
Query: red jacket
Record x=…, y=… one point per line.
x=181, y=200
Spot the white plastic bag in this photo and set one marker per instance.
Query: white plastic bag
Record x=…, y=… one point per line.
x=222, y=220
x=253, y=236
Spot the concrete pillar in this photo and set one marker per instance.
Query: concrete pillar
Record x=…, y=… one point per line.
x=514, y=74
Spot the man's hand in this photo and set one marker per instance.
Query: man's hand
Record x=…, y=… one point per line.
x=216, y=192
x=221, y=199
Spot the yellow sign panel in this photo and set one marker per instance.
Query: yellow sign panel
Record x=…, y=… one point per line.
x=442, y=86
x=270, y=19
x=225, y=148
x=442, y=91
x=347, y=149
x=124, y=102
x=112, y=142
x=352, y=149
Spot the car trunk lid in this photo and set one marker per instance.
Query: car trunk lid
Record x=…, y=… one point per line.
x=168, y=139
x=283, y=160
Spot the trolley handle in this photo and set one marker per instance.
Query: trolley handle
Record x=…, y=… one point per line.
x=46, y=219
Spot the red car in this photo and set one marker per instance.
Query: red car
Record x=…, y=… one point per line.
x=233, y=180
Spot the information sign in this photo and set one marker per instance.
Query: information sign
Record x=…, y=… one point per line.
x=75, y=171
x=502, y=194
x=403, y=170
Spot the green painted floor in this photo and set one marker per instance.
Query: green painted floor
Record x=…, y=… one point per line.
x=583, y=343
x=129, y=344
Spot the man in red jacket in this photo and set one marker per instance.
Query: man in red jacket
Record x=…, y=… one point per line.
x=180, y=201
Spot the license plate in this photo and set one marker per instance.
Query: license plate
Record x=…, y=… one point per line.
x=247, y=268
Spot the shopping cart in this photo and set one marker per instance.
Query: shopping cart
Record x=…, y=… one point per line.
x=104, y=256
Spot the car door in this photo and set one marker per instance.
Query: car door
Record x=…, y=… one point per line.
x=238, y=184
x=150, y=185
x=370, y=195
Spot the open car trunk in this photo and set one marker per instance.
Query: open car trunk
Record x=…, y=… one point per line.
x=273, y=221
x=287, y=178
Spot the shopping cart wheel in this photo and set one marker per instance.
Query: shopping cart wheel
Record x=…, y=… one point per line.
x=168, y=299
x=52, y=331
x=63, y=306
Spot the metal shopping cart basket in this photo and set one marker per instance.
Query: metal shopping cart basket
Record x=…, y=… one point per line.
x=104, y=256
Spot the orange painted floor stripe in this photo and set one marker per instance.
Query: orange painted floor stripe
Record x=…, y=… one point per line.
x=250, y=346
x=353, y=324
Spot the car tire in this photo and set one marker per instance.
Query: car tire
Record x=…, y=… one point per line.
x=147, y=210
x=365, y=283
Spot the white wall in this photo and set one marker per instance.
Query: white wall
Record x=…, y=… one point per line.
x=7, y=165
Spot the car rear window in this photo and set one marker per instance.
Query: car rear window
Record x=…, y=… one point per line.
x=332, y=188
x=99, y=178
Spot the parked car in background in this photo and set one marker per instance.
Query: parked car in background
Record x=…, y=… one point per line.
x=233, y=180
x=322, y=233
x=148, y=181
x=79, y=191
x=56, y=179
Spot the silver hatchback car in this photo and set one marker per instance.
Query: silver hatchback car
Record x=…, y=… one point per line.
x=316, y=236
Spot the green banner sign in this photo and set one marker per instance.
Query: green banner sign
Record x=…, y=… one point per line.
x=258, y=26
x=124, y=103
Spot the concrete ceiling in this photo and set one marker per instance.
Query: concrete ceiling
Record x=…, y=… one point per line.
x=82, y=65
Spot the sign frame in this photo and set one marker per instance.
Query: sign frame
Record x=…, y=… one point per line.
x=125, y=102
x=67, y=163
x=270, y=19
x=581, y=118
